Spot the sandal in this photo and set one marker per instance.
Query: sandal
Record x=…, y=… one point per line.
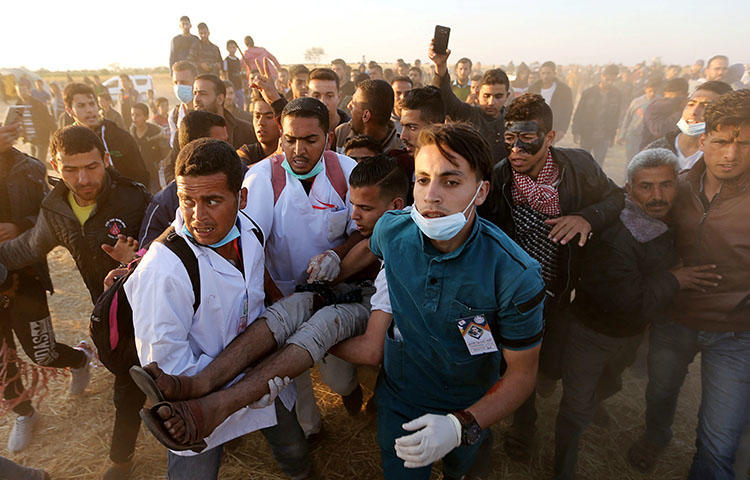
x=155, y=425
x=147, y=384
x=642, y=455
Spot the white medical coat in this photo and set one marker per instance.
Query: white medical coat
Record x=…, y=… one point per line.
x=168, y=332
x=299, y=226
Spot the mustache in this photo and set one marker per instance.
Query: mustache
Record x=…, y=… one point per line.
x=657, y=203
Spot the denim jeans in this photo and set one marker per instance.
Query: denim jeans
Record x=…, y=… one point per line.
x=286, y=440
x=725, y=392
x=10, y=470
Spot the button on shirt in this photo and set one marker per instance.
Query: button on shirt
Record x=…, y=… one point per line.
x=427, y=363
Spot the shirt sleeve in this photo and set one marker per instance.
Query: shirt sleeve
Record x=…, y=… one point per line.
x=521, y=320
x=381, y=299
x=162, y=328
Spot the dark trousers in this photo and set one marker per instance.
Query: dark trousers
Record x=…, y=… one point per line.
x=128, y=400
x=598, y=147
x=28, y=317
x=592, y=366
x=556, y=324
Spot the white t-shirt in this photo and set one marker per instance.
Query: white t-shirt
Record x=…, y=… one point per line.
x=380, y=299
x=686, y=163
x=548, y=92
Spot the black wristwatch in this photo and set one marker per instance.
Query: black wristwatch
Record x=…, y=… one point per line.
x=470, y=429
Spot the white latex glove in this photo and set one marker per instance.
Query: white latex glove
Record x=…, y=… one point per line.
x=275, y=386
x=437, y=435
x=324, y=267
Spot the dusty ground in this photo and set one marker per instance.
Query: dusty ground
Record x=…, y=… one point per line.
x=72, y=439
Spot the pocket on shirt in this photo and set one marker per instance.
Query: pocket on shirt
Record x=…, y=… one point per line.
x=337, y=222
x=393, y=356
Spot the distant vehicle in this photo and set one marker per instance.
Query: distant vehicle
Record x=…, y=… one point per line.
x=143, y=83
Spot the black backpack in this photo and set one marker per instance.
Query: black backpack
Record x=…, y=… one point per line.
x=111, y=324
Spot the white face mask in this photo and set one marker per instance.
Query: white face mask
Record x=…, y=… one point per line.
x=184, y=93
x=442, y=228
x=691, y=129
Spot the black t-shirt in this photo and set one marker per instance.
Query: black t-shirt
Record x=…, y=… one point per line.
x=233, y=67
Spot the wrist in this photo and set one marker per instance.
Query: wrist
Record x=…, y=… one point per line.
x=457, y=427
x=470, y=430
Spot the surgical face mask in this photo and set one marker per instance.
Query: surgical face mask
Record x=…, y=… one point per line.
x=303, y=176
x=442, y=228
x=233, y=232
x=184, y=93
x=691, y=129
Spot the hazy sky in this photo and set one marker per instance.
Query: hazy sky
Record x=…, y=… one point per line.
x=79, y=34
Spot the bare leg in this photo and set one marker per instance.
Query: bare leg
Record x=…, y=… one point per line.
x=195, y=419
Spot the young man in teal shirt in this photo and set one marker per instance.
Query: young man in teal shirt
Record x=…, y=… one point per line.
x=461, y=352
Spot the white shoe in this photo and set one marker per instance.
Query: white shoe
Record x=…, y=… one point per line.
x=23, y=430
x=80, y=377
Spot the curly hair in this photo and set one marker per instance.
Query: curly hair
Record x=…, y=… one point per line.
x=729, y=109
x=530, y=106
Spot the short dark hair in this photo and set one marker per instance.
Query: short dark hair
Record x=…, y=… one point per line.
x=549, y=64
x=716, y=86
x=464, y=140
x=730, y=109
x=184, y=17
x=295, y=70
x=142, y=107
x=338, y=61
x=402, y=78
x=717, y=57
x=75, y=139
x=611, y=70
x=496, y=76
x=363, y=141
x=653, y=82
x=465, y=61
x=197, y=124
x=527, y=107
x=677, y=85
x=232, y=42
x=105, y=95
x=378, y=98
x=219, y=88
x=202, y=25
x=249, y=41
x=324, y=74
x=184, y=65
x=307, y=107
x=161, y=100
x=381, y=171
x=207, y=156
x=428, y=101
x=73, y=89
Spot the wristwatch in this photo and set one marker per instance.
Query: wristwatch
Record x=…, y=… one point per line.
x=470, y=429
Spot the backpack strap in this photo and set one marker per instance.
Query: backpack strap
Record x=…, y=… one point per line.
x=278, y=176
x=179, y=247
x=256, y=229
x=335, y=173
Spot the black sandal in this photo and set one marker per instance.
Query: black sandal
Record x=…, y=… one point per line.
x=147, y=384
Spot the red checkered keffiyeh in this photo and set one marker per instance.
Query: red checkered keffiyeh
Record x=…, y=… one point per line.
x=541, y=195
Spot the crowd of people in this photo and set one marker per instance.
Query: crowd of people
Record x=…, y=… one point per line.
x=423, y=222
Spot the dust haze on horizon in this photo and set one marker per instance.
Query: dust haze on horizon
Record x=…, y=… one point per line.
x=89, y=35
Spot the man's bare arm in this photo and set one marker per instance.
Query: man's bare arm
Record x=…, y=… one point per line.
x=358, y=258
x=366, y=349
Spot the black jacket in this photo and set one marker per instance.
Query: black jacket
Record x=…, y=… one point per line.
x=667, y=141
x=492, y=129
x=240, y=132
x=624, y=281
x=124, y=152
x=584, y=190
x=561, y=104
x=26, y=188
x=119, y=209
x=597, y=115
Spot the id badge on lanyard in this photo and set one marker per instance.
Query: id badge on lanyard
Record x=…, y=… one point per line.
x=107, y=156
x=477, y=335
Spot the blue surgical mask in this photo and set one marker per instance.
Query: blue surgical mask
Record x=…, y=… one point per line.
x=233, y=233
x=691, y=129
x=184, y=93
x=442, y=228
x=303, y=176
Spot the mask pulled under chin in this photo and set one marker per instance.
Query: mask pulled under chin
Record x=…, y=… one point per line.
x=442, y=228
x=691, y=129
x=233, y=233
x=303, y=176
